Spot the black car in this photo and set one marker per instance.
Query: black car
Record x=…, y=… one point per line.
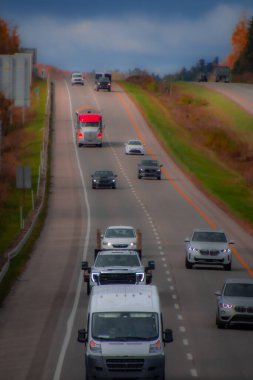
x=104, y=83
x=149, y=168
x=103, y=179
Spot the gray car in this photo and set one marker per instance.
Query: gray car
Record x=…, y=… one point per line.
x=208, y=247
x=235, y=303
x=149, y=169
x=103, y=179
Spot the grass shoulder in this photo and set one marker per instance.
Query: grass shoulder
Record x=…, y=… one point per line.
x=201, y=130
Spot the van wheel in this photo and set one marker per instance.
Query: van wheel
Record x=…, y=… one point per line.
x=88, y=288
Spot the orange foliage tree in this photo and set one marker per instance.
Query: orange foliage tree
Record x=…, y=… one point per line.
x=9, y=39
x=239, y=41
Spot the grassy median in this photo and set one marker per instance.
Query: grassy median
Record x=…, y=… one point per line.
x=209, y=136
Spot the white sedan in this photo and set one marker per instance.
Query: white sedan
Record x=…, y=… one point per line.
x=134, y=147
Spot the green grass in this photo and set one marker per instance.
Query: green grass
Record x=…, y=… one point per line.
x=222, y=182
x=29, y=156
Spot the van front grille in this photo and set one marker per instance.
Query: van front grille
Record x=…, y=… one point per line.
x=125, y=365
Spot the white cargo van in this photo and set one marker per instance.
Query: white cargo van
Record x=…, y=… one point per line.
x=124, y=337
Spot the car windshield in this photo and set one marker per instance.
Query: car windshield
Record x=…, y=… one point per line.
x=122, y=326
x=134, y=142
x=103, y=173
x=209, y=236
x=238, y=290
x=117, y=260
x=149, y=163
x=120, y=233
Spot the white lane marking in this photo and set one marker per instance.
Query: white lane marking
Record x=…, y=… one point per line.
x=189, y=356
x=194, y=372
x=185, y=342
x=70, y=321
x=180, y=317
x=182, y=329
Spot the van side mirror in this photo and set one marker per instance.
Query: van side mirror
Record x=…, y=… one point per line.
x=82, y=336
x=168, y=336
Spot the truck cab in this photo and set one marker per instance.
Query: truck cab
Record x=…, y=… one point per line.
x=89, y=128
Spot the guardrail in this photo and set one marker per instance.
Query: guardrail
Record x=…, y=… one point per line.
x=40, y=196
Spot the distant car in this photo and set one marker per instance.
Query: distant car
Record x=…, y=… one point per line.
x=134, y=147
x=103, y=179
x=208, y=247
x=119, y=237
x=77, y=78
x=202, y=78
x=149, y=168
x=235, y=303
x=104, y=83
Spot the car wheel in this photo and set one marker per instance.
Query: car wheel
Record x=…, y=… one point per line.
x=139, y=176
x=159, y=177
x=88, y=290
x=219, y=324
x=114, y=187
x=188, y=264
x=227, y=266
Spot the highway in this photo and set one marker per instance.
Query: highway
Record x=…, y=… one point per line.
x=40, y=318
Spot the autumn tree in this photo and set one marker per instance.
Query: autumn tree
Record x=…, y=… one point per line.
x=9, y=38
x=239, y=41
x=244, y=62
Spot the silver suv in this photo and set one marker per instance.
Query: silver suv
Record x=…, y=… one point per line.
x=208, y=247
x=235, y=303
x=117, y=267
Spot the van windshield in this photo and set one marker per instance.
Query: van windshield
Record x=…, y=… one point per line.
x=124, y=326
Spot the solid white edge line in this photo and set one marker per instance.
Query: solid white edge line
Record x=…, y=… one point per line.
x=72, y=315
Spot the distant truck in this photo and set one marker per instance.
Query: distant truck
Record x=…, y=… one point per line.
x=125, y=337
x=102, y=75
x=222, y=74
x=89, y=127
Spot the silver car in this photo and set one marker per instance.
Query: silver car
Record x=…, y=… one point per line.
x=208, y=247
x=235, y=303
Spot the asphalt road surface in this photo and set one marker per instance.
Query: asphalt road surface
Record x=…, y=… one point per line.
x=40, y=318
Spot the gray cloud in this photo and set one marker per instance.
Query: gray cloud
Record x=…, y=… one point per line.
x=159, y=45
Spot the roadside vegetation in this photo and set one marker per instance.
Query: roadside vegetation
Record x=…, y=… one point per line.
x=208, y=135
x=22, y=146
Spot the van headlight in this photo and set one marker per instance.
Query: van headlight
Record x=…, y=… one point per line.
x=95, y=347
x=155, y=348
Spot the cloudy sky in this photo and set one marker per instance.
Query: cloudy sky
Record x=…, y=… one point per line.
x=160, y=36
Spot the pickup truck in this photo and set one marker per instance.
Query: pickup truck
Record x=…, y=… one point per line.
x=117, y=267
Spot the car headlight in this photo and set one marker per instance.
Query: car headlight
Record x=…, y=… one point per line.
x=225, y=305
x=192, y=249
x=107, y=243
x=132, y=244
x=226, y=250
x=155, y=347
